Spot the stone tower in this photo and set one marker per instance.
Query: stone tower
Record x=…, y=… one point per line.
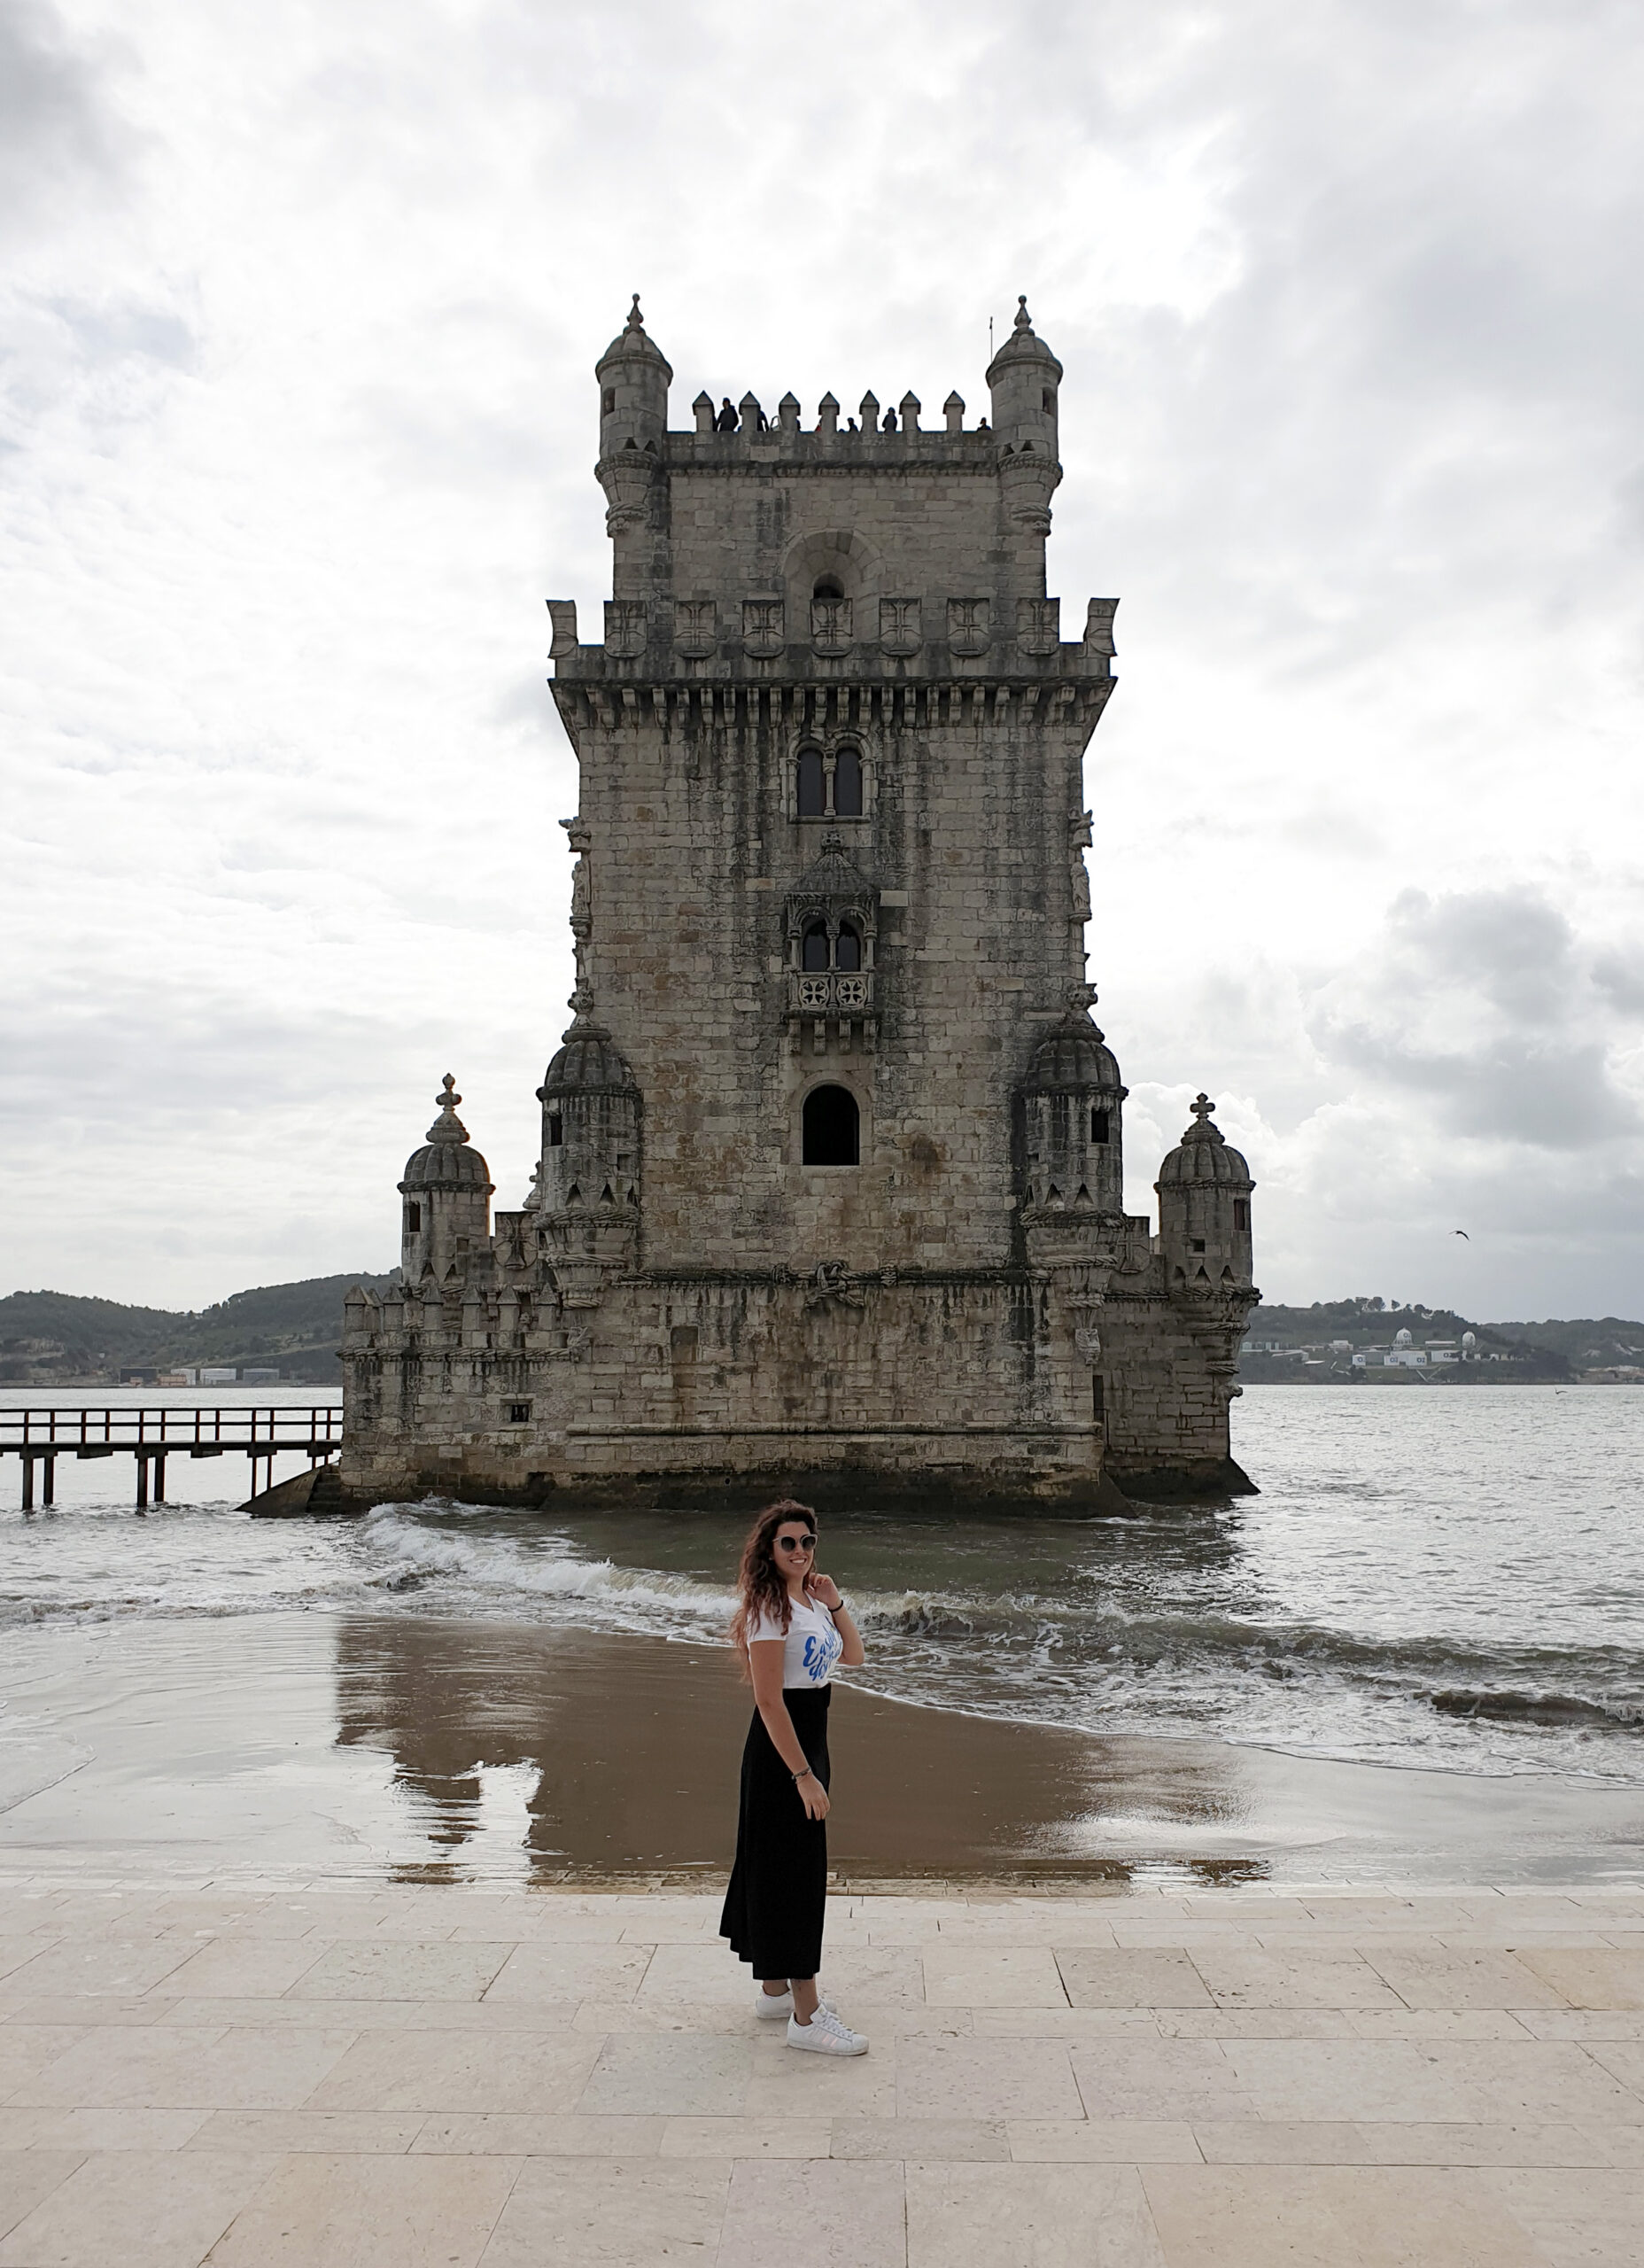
x=830, y=1196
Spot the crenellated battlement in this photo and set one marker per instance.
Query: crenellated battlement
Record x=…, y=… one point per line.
x=765, y=638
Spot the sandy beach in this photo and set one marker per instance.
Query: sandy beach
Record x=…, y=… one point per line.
x=396, y=1748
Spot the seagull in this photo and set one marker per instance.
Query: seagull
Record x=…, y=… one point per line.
x=1461, y=1232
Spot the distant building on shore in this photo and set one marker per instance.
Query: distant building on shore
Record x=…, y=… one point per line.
x=830, y=1194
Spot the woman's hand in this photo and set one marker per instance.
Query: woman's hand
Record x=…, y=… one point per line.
x=814, y=1797
x=823, y=1588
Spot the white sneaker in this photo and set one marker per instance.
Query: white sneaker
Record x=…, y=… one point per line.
x=772, y=2005
x=825, y=2035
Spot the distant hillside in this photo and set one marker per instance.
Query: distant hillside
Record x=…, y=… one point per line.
x=1585, y=1343
x=1296, y=1346
x=49, y=1338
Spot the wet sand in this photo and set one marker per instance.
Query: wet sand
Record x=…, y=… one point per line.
x=410, y=1749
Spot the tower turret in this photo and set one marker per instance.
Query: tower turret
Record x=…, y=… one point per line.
x=1022, y=380
x=1071, y=1104
x=448, y=1189
x=587, y=1192
x=634, y=377
x=1204, y=1188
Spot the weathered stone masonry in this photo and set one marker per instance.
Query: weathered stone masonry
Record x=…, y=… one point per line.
x=830, y=1194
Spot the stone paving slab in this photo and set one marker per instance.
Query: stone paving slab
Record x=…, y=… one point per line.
x=279, y=2075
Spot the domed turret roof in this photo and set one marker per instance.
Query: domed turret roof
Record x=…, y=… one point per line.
x=1203, y=1154
x=632, y=341
x=1023, y=345
x=1074, y=1055
x=590, y=1062
x=447, y=1160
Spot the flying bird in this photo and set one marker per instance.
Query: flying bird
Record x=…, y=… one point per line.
x=1461, y=1232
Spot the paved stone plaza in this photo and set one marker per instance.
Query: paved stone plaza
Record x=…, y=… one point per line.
x=250, y=2073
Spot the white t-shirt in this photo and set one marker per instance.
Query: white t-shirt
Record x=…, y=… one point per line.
x=812, y=1648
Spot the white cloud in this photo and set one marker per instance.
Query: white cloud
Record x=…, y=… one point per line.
x=296, y=424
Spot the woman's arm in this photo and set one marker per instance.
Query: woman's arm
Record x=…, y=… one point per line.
x=824, y=1590
x=764, y=1661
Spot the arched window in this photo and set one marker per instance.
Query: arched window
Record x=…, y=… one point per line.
x=848, y=948
x=832, y=1128
x=828, y=586
x=1098, y=1126
x=811, y=793
x=848, y=784
x=556, y=1131
x=813, y=949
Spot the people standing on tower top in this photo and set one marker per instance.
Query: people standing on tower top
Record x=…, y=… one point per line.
x=792, y=1628
x=889, y=424
x=726, y=421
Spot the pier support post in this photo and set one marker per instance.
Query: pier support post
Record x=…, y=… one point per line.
x=143, y=1481
x=160, y=1480
x=47, y=1495
x=28, y=1482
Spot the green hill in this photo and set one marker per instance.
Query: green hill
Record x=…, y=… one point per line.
x=50, y=1338
x=1296, y=1346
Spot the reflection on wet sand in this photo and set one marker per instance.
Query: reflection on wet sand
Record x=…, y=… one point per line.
x=632, y=1751
x=622, y=1753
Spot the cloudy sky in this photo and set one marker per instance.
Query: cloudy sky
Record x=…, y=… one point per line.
x=300, y=305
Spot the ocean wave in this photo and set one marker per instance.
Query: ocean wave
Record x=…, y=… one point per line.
x=1510, y=1708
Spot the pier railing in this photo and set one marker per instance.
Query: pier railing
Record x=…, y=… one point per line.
x=149, y=1434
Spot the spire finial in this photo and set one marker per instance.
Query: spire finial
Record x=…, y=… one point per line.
x=1024, y=321
x=447, y=1127
x=636, y=320
x=1203, y=1107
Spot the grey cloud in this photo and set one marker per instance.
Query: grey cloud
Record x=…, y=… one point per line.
x=1556, y=1096
x=122, y=328
x=58, y=134
x=1621, y=975
x=1478, y=1001
x=1511, y=943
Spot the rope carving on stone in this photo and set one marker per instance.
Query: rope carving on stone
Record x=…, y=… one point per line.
x=831, y=1283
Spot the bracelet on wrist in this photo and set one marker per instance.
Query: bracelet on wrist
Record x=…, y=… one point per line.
x=805, y=1775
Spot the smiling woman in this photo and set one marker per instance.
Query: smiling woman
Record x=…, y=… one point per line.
x=793, y=1629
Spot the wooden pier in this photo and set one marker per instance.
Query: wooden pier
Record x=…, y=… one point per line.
x=40, y=1436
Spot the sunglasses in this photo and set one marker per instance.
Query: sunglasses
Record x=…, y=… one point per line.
x=795, y=1543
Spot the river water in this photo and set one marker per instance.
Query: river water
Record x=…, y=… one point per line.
x=1448, y=1578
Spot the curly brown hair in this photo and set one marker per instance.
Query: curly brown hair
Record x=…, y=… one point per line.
x=760, y=1584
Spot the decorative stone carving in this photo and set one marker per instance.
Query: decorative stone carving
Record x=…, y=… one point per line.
x=762, y=628
x=1099, y=626
x=831, y=1283
x=899, y=631
x=1039, y=625
x=624, y=628
x=695, y=627
x=830, y=625
x=969, y=626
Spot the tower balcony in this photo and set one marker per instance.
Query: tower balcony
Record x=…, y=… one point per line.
x=830, y=992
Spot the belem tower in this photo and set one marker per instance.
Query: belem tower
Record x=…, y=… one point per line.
x=830, y=1198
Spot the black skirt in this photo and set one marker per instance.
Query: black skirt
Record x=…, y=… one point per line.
x=774, y=1907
